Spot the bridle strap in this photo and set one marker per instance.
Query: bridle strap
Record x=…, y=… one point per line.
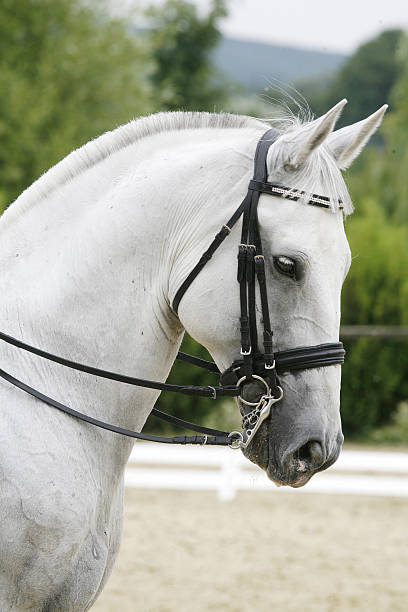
x=197, y=391
x=197, y=361
x=256, y=269
x=220, y=439
x=300, y=358
x=206, y=256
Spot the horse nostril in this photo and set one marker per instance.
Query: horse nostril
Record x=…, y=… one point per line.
x=306, y=459
x=311, y=454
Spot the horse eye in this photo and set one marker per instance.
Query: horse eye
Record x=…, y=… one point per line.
x=284, y=265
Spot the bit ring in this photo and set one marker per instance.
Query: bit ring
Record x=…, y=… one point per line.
x=237, y=441
x=268, y=390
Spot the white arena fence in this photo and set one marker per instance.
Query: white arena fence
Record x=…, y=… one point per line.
x=158, y=466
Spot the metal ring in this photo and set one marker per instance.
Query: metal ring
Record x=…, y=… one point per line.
x=238, y=441
x=268, y=390
x=277, y=399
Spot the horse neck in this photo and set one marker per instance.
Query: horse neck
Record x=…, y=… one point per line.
x=89, y=271
x=82, y=275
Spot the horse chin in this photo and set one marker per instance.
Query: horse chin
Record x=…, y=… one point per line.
x=282, y=481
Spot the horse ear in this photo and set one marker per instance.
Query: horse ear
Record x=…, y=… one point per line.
x=346, y=143
x=301, y=143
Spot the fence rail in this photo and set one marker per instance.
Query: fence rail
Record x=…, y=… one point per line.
x=226, y=471
x=396, y=332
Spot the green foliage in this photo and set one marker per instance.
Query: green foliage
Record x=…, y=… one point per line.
x=181, y=42
x=383, y=173
x=393, y=434
x=376, y=290
x=68, y=73
x=374, y=381
x=375, y=375
x=366, y=79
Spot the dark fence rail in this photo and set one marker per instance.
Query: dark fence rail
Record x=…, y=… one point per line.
x=395, y=332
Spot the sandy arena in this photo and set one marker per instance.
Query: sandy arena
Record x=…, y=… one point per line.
x=281, y=552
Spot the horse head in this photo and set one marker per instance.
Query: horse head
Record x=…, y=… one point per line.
x=307, y=258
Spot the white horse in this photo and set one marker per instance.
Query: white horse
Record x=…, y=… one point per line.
x=91, y=257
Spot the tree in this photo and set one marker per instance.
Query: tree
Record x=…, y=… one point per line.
x=381, y=173
x=181, y=42
x=366, y=79
x=68, y=73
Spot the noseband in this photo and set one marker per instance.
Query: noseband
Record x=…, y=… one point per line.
x=254, y=366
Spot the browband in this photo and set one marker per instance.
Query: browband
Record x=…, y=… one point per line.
x=291, y=194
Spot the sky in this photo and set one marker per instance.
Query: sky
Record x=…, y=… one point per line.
x=325, y=25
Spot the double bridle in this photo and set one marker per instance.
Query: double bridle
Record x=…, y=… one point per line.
x=254, y=366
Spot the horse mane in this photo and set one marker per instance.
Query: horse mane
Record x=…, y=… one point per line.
x=107, y=144
x=100, y=148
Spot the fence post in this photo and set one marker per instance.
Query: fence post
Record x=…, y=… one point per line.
x=229, y=474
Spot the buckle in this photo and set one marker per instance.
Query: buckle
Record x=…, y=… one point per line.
x=214, y=395
x=270, y=367
x=243, y=352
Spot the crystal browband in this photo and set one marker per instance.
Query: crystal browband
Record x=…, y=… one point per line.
x=291, y=194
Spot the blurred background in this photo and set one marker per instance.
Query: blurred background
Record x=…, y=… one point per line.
x=71, y=70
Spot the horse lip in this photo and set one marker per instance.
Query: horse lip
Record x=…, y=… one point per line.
x=283, y=481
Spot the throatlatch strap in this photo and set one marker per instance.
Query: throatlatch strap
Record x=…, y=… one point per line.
x=205, y=257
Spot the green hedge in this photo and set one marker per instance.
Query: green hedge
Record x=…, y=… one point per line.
x=374, y=381
x=375, y=375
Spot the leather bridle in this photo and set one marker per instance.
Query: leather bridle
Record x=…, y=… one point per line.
x=254, y=366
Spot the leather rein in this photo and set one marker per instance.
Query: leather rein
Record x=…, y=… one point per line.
x=253, y=366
